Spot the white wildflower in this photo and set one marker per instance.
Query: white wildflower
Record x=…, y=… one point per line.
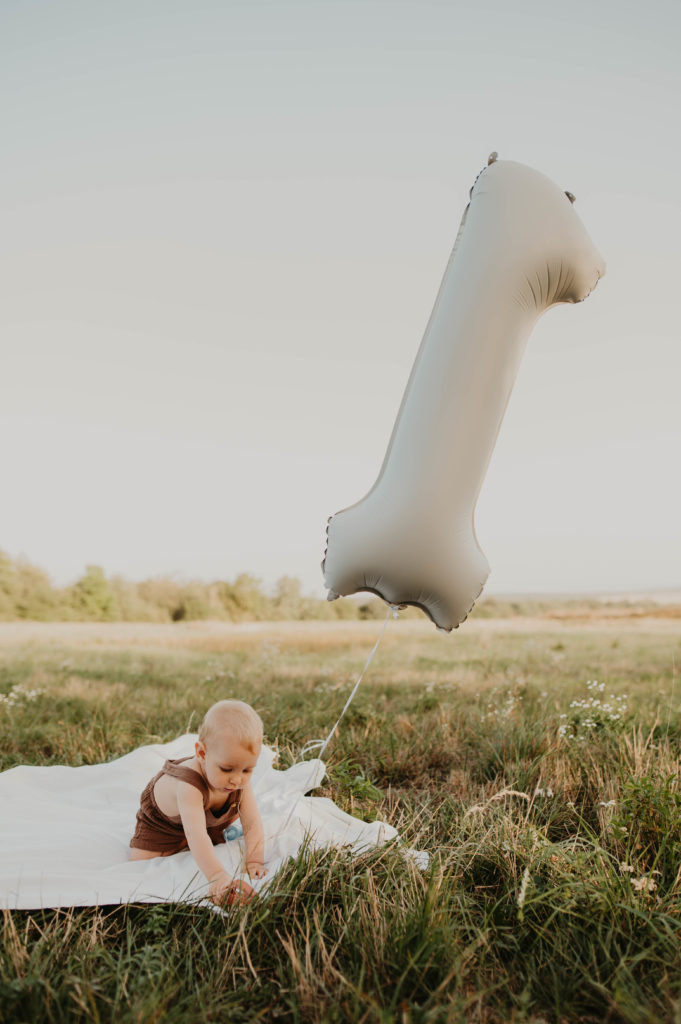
x=590, y=713
x=644, y=884
x=19, y=694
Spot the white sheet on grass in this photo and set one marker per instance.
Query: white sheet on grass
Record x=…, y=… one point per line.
x=65, y=831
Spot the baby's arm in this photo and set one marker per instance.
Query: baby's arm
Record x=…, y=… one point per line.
x=253, y=833
x=190, y=805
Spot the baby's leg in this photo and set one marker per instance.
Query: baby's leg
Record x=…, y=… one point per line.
x=136, y=854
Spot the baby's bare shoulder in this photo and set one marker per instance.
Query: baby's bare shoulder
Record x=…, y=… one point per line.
x=165, y=795
x=170, y=792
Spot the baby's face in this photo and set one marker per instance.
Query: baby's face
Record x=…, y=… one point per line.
x=226, y=764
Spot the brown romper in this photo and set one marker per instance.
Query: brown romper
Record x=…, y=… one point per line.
x=163, y=834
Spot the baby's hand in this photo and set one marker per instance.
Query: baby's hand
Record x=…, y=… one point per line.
x=225, y=889
x=256, y=869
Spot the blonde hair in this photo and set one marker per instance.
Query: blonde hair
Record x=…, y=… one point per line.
x=237, y=719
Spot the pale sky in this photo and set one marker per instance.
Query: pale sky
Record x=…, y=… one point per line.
x=224, y=226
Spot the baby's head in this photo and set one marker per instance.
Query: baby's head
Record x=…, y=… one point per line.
x=235, y=719
x=230, y=738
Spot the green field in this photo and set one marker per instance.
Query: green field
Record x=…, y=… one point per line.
x=553, y=822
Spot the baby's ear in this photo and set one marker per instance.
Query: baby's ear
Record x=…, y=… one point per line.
x=200, y=750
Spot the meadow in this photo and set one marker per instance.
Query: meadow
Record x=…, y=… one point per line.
x=536, y=760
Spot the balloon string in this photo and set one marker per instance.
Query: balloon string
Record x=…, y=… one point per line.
x=323, y=744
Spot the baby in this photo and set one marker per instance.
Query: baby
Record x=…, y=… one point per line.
x=192, y=800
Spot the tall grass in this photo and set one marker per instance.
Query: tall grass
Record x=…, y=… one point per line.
x=553, y=824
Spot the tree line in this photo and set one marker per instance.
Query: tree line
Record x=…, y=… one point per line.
x=26, y=592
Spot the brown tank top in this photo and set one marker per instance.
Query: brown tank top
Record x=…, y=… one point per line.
x=163, y=834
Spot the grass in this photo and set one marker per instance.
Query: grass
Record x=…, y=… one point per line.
x=553, y=824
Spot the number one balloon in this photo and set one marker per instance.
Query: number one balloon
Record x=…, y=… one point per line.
x=521, y=248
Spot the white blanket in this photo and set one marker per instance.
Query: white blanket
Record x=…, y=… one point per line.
x=65, y=831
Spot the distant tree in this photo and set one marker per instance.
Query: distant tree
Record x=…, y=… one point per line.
x=200, y=601
x=92, y=597
x=7, y=586
x=243, y=599
x=288, y=601
x=33, y=594
x=162, y=593
x=131, y=605
x=319, y=608
x=372, y=609
x=345, y=608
